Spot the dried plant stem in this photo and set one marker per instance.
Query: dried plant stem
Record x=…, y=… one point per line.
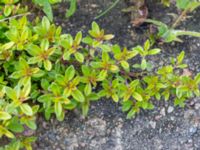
x=12, y=17
x=107, y=10
x=178, y=20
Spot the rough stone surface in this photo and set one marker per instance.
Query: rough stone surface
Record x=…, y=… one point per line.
x=164, y=128
x=170, y=109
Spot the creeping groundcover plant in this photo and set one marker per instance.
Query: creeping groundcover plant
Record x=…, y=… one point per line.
x=44, y=71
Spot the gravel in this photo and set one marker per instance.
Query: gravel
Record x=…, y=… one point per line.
x=170, y=109
x=106, y=128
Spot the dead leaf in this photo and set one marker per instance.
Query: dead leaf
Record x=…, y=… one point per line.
x=186, y=72
x=139, y=12
x=142, y=15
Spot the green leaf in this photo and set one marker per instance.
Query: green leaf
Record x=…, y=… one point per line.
x=45, y=98
x=78, y=38
x=46, y=8
x=93, y=97
x=44, y=84
x=7, y=10
x=132, y=54
x=26, y=109
x=105, y=56
x=144, y=64
x=44, y=45
x=6, y=132
x=116, y=49
x=87, y=40
x=70, y=73
x=182, y=66
x=158, y=96
x=39, y=74
x=85, y=109
x=179, y=102
x=15, y=125
x=60, y=79
x=166, y=95
x=115, y=98
x=24, y=34
x=114, y=68
x=12, y=94
x=54, y=1
x=22, y=64
x=25, y=80
x=79, y=57
x=197, y=78
x=55, y=89
x=126, y=105
x=47, y=65
x=72, y=8
x=125, y=65
x=193, y=5
x=95, y=28
x=16, y=75
x=108, y=37
x=102, y=75
x=182, y=4
x=61, y=117
x=180, y=57
x=85, y=70
x=154, y=51
x=45, y=22
x=58, y=108
x=137, y=96
x=26, y=90
x=131, y=114
x=8, y=45
x=31, y=124
x=166, y=2
x=147, y=45
x=183, y=32
x=66, y=55
x=78, y=96
x=96, y=64
x=71, y=106
x=138, y=49
x=34, y=60
x=178, y=93
x=4, y=115
x=105, y=48
x=150, y=106
x=88, y=89
x=134, y=83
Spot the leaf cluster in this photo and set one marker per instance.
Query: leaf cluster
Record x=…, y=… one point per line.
x=11, y=8
x=46, y=6
x=43, y=70
x=169, y=33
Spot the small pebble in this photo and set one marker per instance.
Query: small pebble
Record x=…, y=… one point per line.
x=152, y=124
x=193, y=130
x=190, y=141
x=162, y=112
x=172, y=118
x=170, y=109
x=197, y=106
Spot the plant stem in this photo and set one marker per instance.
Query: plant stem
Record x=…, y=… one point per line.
x=12, y=17
x=190, y=33
x=180, y=18
x=107, y=10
